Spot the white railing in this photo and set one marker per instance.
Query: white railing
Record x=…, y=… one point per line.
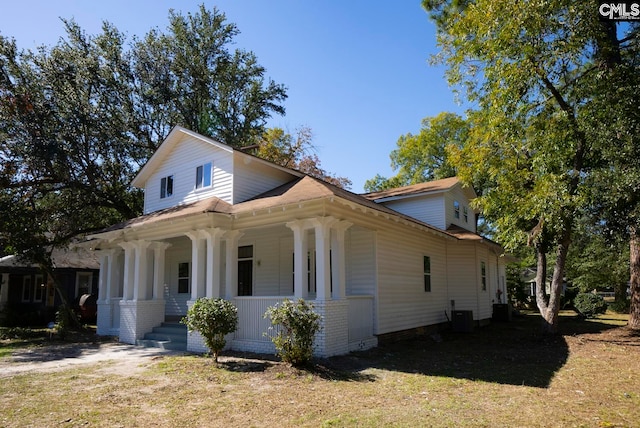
x=251, y=322
x=360, y=317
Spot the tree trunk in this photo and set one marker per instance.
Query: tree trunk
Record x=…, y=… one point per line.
x=66, y=306
x=634, y=282
x=551, y=308
x=541, y=281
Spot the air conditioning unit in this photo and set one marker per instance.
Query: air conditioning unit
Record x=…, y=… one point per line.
x=462, y=321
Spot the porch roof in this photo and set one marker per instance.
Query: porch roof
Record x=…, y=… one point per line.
x=296, y=191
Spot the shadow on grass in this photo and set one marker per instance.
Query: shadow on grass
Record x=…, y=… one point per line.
x=248, y=366
x=514, y=353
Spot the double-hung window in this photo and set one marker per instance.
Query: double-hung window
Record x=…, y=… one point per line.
x=426, y=262
x=456, y=209
x=483, y=274
x=166, y=186
x=203, y=175
x=183, y=278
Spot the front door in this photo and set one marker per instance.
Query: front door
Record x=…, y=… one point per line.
x=245, y=270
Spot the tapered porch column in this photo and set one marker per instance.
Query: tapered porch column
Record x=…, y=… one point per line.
x=300, y=250
x=129, y=274
x=198, y=248
x=159, y=249
x=338, y=260
x=108, y=288
x=322, y=227
x=141, y=289
x=231, y=274
x=104, y=287
x=213, y=261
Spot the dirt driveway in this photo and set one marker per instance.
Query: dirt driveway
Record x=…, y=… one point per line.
x=123, y=359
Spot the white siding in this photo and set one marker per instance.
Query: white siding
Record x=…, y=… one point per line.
x=402, y=302
x=428, y=209
x=486, y=297
x=272, y=260
x=360, y=261
x=456, y=194
x=463, y=277
x=182, y=163
x=179, y=252
x=253, y=177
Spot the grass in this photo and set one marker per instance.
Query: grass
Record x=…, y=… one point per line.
x=506, y=374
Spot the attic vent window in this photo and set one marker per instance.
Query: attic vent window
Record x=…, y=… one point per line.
x=456, y=209
x=203, y=176
x=166, y=186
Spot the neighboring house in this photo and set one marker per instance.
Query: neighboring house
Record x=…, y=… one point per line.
x=27, y=295
x=221, y=223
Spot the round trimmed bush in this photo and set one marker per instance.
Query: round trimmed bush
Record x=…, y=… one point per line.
x=589, y=305
x=213, y=319
x=297, y=325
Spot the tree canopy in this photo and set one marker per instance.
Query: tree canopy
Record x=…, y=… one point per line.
x=295, y=151
x=78, y=119
x=424, y=156
x=543, y=80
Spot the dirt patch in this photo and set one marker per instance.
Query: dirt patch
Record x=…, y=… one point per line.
x=124, y=359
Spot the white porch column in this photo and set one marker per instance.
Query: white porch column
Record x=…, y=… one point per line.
x=159, y=249
x=338, y=260
x=4, y=289
x=322, y=227
x=197, y=264
x=129, y=274
x=141, y=289
x=231, y=274
x=300, y=250
x=213, y=262
x=104, y=286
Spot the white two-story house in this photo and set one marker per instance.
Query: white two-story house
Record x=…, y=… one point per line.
x=219, y=222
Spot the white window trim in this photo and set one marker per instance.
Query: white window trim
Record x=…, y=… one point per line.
x=188, y=277
x=203, y=186
x=163, y=188
x=456, y=209
x=90, y=284
x=426, y=274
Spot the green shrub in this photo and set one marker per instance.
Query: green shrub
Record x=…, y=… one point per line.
x=589, y=305
x=621, y=307
x=63, y=321
x=213, y=319
x=297, y=325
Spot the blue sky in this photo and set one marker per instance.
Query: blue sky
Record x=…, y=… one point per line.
x=357, y=72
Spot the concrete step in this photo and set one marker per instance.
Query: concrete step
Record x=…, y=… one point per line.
x=162, y=344
x=168, y=335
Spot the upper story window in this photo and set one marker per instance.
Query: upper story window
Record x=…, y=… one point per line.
x=456, y=209
x=166, y=186
x=465, y=213
x=203, y=176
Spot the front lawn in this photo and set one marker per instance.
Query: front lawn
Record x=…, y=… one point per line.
x=505, y=374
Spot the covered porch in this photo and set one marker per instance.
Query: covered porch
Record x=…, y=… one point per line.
x=146, y=278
